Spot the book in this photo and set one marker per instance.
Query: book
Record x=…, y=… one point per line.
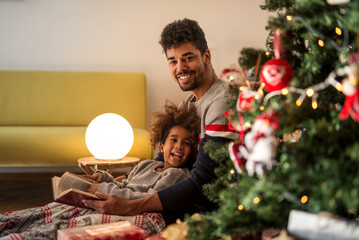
x=122, y=230
x=71, y=188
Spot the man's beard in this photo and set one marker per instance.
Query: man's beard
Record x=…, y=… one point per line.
x=194, y=85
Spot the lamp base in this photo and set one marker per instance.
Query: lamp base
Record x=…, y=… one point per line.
x=91, y=164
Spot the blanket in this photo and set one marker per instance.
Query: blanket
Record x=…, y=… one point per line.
x=43, y=222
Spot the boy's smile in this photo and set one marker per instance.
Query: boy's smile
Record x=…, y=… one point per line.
x=177, y=147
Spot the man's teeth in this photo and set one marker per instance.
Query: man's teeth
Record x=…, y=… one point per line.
x=184, y=77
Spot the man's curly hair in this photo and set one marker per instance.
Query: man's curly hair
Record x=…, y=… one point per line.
x=183, y=31
x=184, y=116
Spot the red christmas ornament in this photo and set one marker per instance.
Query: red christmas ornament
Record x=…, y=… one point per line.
x=237, y=158
x=276, y=74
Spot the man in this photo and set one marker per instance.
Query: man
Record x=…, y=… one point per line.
x=189, y=61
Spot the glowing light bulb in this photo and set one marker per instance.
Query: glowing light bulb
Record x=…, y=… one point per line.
x=248, y=124
x=304, y=199
x=320, y=43
x=314, y=104
x=240, y=207
x=339, y=86
x=289, y=18
x=261, y=108
x=267, y=53
x=338, y=31
x=310, y=92
x=256, y=200
x=353, y=81
x=298, y=102
x=285, y=91
x=231, y=171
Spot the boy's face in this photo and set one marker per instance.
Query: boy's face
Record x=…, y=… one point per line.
x=187, y=65
x=177, y=147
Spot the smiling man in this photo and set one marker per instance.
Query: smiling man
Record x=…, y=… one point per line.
x=189, y=61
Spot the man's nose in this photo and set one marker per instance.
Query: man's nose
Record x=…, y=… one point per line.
x=181, y=66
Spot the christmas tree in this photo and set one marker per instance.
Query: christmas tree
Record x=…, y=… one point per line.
x=295, y=106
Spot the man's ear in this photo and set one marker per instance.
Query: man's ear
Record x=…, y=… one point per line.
x=207, y=56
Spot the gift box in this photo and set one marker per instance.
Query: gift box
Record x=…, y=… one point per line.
x=312, y=226
x=156, y=237
x=122, y=230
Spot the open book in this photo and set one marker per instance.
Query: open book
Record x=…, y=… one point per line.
x=71, y=188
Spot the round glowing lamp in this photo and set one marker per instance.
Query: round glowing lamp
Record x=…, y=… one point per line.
x=109, y=136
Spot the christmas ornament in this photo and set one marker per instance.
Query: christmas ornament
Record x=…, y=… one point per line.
x=233, y=75
x=276, y=74
x=245, y=100
x=236, y=156
x=260, y=144
x=351, y=90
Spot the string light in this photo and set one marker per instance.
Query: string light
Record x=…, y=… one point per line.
x=240, y=207
x=256, y=200
x=231, y=171
x=304, y=199
x=248, y=124
x=338, y=31
x=310, y=92
x=300, y=100
x=285, y=91
x=267, y=53
x=289, y=18
x=314, y=104
x=320, y=43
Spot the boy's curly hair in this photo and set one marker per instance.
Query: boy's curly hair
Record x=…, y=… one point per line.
x=184, y=116
x=183, y=31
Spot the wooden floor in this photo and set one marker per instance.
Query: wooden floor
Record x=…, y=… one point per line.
x=24, y=190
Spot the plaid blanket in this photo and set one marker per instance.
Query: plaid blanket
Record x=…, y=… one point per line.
x=43, y=222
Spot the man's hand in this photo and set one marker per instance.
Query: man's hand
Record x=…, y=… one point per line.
x=113, y=204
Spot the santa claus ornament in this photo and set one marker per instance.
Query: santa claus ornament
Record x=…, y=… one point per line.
x=276, y=74
x=351, y=90
x=259, y=146
x=236, y=156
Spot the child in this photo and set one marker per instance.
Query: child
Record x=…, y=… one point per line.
x=176, y=132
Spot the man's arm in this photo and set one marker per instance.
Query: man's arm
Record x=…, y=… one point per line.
x=113, y=204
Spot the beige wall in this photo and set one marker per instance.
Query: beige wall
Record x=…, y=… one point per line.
x=122, y=35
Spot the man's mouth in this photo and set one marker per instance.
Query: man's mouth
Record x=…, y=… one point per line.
x=184, y=77
x=177, y=156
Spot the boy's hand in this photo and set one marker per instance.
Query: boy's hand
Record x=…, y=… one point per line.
x=120, y=178
x=94, y=188
x=97, y=177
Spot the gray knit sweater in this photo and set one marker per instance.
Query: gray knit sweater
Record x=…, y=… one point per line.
x=143, y=180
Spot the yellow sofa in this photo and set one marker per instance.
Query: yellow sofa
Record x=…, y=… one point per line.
x=44, y=114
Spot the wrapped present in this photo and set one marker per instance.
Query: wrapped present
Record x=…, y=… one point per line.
x=321, y=226
x=156, y=237
x=122, y=230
